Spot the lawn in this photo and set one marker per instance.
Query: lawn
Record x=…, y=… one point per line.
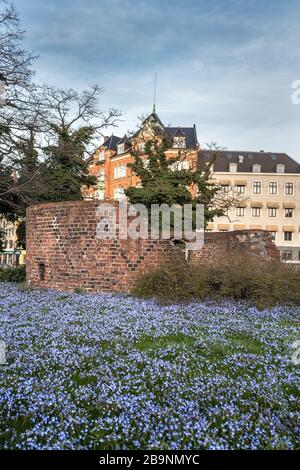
x=92, y=371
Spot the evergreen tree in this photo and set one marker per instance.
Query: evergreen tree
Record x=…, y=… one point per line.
x=164, y=181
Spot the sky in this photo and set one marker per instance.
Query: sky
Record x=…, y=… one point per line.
x=225, y=65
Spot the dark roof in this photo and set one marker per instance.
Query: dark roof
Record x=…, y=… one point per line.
x=152, y=118
x=188, y=132
x=267, y=160
x=111, y=142
x=124, y=140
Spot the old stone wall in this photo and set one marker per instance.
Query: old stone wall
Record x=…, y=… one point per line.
x=64, y=253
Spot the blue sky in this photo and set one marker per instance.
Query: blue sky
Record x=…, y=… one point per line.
x=226, y=66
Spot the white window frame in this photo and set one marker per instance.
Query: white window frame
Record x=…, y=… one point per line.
x=101, y=156
x=289, y=209
x=119, y=193
x=179, y=142
x=120, y=171
x=253, y=209
x=141, y=146
x=269, y=187
x=282, y=166
x=285, y=186
x=232, y=167
x=253, y=184
x=240, y=186
x=240, y=209
x=292, y=237
x=256, y=168
x=271, y=209
x=120, y=148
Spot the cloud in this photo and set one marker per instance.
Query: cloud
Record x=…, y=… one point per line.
x=225, y=66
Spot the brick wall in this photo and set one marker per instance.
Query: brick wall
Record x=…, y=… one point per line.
x=250, y=242
x=64, y=253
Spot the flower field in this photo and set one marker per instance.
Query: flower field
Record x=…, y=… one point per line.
x=92, y=371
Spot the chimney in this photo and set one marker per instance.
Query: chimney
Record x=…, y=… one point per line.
x=261, y=151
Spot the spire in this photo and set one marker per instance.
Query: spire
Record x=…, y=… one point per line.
x=154, y=94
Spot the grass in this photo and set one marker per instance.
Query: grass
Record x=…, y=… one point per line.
x=148, y=343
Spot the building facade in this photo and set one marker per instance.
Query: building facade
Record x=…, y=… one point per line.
x=109, y=163
x=270, y=186
x=10, y=255
x=267, y=183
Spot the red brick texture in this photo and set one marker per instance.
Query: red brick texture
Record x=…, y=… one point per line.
x=249, y=242
x=63, y=252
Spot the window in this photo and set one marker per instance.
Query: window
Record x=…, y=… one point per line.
x=179, y=142
x=120, y=148
x=280, y=168
x=289, y=189
x=120, y=171
x=232, y=167
x=184, y=165
x=101, y=156
x=240, y=211
x=256, y=168
x=273, y=187
x=288, y=212
x=225, y=188
x=42, y=271
x=100, y=185
x=141, y=146
x=272, y=212
x=288, y=236
x=273, y=235
x=240, y=189
x=255, y=211
x=119, y=193
x=257, y=187
x=286, y=255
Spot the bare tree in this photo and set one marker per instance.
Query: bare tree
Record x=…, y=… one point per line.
x=63, y=111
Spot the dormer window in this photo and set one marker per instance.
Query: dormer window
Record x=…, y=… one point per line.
x=141, y=146
x=182, y=165
x=256, y=168
x=280, y=168
x=179, y=142
x=241, y=158
x=232, y=167
x=120, y=148
x=101, y=156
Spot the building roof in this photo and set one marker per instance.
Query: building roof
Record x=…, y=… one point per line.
x=188, y=132
x=267, y=160
x=111, y=142
x=124, y=140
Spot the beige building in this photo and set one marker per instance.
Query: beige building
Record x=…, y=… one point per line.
x=269, y=186
x=10, y=255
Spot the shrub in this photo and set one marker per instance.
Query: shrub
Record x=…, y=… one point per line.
x=257, y=280
x=173, y=280
x=11, y=274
